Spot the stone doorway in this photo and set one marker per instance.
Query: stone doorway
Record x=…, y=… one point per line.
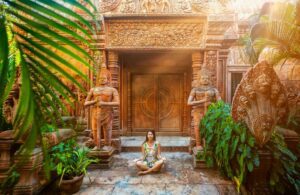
x=155, y=89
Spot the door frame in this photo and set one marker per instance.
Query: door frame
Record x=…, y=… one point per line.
x=126, y=109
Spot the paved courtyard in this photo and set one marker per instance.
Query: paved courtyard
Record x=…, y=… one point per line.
x=178, y=177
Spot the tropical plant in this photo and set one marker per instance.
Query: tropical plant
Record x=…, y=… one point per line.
x=275, y=35
x=232, y=148
x=69, y=160
x=285, y=170
x=30, y=32
x=228, y=145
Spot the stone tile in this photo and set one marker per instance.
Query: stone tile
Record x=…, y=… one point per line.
x=210, y=176
x=191, y=189
x=140, y=189
x=108, y=180
x=227, y=189
x=204, y=189
x=178, y=177
x=96, y=190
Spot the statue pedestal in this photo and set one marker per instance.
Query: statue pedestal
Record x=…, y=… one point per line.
x=192, y=145
x=116, y=143
x=257, y=181
x=105, y=156
x=197, y=163
x=29, y=182
x=6, y=146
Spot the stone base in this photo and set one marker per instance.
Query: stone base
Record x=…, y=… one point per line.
x=116, y=143
x=29, y=173
x=105, y=157
x=197, y=163
x=192, y=145
x=6, y=145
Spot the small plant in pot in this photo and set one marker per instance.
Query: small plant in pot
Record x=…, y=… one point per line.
x=71, y=165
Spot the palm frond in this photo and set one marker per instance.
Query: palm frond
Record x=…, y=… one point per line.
x=37, y=28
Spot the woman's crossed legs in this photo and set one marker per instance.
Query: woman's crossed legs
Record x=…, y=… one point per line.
x=144, y=169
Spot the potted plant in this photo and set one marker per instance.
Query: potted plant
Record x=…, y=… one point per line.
x=71, y=163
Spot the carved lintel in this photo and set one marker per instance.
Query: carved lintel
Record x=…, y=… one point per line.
x=153, y=34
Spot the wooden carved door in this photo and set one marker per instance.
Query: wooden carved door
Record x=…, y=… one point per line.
x=156, y=101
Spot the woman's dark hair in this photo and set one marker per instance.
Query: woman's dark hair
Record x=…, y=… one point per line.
x=154, y=137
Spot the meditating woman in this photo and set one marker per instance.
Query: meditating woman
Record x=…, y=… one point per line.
x=151, y=160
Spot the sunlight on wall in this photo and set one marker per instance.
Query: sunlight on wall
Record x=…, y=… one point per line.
x=246, y=8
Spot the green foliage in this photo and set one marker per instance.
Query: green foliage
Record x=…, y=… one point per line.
x=227, y=144
x=36, y=38
x=285, y=171
x=232, y=148
x=34, y=35
x=48, y=128
x=277, y=30
x=69, y=160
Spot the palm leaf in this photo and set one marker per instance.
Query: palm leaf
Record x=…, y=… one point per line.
x=38, y=27
x=46, y=20
x=3, y=57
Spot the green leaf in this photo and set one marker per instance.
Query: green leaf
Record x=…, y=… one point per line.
x=234, y=146
x=3, y=57
x=243, y=137
x=67, y=11
x=45, y=20
x=251, y=141
x=250, y=166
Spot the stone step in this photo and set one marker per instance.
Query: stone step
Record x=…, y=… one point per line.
x=168, y=143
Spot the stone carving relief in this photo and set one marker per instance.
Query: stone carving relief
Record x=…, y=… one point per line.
x=107, y=5
x=184, y=6
x=158, y=6
x=153, y=34
x=128, y=6
x=210, y=63
x=235, y=56
x=259, y=101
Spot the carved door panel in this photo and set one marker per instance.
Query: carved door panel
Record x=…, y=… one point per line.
x=156, y=102
x=143, y=102
x=169, y=102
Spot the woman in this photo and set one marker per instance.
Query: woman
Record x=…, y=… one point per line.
x=151, y=160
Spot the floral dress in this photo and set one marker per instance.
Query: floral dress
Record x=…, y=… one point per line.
x=150, y=154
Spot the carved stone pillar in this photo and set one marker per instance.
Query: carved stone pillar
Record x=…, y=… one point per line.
x=211, y=64
x=114, y=68
x=197, y=62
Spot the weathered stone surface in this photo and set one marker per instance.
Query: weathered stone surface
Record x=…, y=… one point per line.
x=179, y=177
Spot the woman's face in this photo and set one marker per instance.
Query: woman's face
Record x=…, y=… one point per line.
x=150, y=135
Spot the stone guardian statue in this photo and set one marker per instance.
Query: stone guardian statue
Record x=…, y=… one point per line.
x=200, y=98
x=102, y=98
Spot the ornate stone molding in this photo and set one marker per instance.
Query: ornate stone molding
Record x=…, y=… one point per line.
x=160, y=6
x=155, y=34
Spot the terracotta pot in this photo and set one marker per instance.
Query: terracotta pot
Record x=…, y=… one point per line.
x=71, y=186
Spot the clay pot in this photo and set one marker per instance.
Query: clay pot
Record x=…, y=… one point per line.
x=71, y=186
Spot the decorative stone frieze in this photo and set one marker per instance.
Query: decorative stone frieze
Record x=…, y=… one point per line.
x=154, y=34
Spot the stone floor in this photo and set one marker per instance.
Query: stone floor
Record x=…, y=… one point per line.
x=178, y=177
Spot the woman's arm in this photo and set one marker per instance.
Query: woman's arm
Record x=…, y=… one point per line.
x=143, y=153
x=158, y=150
